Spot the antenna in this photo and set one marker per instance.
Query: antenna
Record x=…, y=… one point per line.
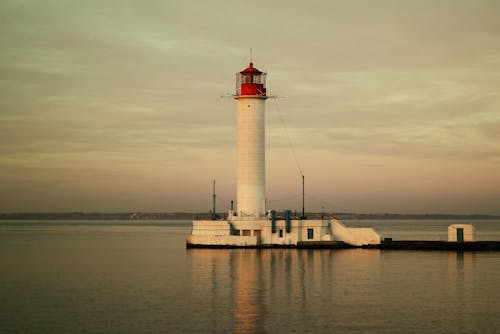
x=251, y=55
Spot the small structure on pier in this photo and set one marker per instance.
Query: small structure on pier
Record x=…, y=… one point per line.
x=460, y=233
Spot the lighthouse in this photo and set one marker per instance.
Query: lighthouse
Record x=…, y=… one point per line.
x=248, y=225
x=251, y=179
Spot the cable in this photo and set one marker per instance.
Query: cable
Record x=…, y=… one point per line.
x=288, y=137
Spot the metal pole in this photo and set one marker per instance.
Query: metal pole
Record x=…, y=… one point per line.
x=303, y=200
x=213, y=202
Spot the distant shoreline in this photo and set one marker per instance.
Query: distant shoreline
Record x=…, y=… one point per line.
x=191, y=216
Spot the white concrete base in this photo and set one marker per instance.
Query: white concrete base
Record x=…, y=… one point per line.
x=211, y=227
x=259, y=232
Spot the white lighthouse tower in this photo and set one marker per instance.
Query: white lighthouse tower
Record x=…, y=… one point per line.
x=251, y=179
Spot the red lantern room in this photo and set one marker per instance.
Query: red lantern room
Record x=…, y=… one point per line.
x=251, y=82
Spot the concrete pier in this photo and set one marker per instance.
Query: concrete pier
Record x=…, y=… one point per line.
x=414, y=245
x=438, y=245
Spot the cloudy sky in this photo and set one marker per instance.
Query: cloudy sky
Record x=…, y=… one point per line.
x=390, y=106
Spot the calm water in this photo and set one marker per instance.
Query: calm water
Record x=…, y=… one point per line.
x=137, y=277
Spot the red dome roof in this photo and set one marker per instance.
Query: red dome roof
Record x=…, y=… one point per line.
x=250, y=69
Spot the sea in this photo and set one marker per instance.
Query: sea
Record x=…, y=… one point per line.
x=108, y=276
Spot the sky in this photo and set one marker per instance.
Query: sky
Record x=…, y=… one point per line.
x=389, y=106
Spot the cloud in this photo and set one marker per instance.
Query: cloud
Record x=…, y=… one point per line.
x=136, y=85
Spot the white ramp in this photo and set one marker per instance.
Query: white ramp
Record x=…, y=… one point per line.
x=355, y=236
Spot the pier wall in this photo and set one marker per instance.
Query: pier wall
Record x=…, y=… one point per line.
x=222, y=240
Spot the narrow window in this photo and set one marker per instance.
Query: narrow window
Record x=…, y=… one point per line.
x=281, y=233
x=310, y=233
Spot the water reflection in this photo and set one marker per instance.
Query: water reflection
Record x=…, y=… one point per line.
x=460, y=284
x=460, y=265
x=247, y=292
x=277, y=289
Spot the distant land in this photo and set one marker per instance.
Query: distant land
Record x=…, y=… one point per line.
x=191, y=216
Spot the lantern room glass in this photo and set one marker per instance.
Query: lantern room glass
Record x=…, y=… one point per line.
x=257, y=80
